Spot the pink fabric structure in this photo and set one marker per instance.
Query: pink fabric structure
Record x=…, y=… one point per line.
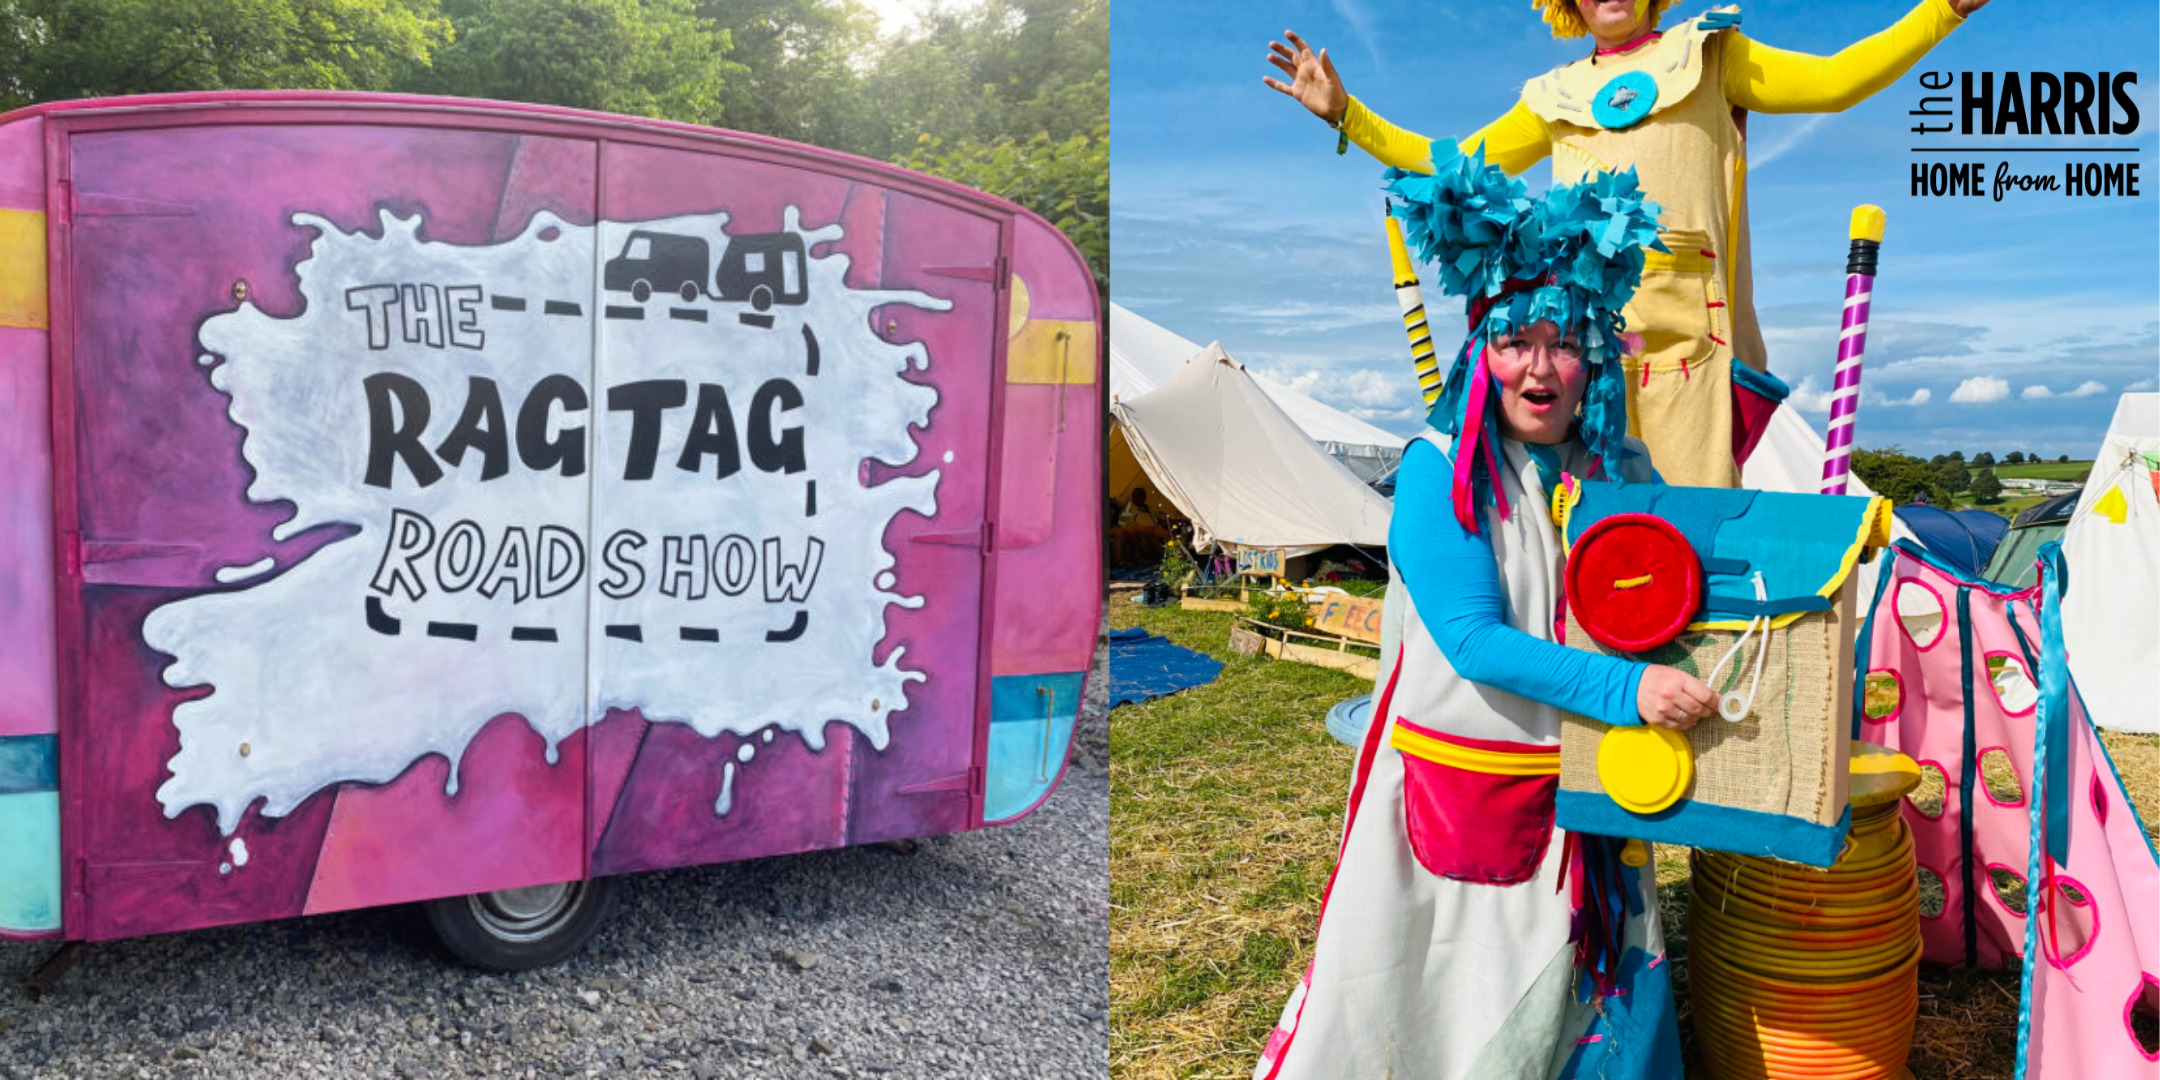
x=2093, y=930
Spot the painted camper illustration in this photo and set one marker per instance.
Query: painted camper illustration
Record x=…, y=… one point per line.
x=764, y=270
x=380, y=557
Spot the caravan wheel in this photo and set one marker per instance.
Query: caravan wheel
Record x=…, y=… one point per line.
x=521, y=929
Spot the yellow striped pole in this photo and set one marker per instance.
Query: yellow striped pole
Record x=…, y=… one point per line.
x=1412, y=300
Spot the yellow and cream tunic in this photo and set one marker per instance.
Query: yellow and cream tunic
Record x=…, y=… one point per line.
x=1695, y=308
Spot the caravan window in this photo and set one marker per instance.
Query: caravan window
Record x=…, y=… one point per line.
x=640, y=248
x=790, y=273
x=753, y=262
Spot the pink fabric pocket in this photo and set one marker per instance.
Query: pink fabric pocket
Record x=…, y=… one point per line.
x=1470, y=824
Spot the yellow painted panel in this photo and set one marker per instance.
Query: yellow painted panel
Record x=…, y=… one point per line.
x=1052, y=351
x=22, y=269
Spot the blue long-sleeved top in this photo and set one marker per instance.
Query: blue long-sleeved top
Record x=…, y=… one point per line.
x=1455, y=582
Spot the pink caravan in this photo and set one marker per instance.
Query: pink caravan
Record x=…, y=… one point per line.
x=2059, y=875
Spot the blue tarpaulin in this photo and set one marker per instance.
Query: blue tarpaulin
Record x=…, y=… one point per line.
x=1145, y=666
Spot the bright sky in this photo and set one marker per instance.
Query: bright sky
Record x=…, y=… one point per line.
x=1996, y=326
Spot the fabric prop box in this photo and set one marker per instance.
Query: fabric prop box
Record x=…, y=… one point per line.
x=1753, y=593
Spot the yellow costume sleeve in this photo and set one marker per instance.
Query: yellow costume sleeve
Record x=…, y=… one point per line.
x=1762, y=79
x=1516, y=141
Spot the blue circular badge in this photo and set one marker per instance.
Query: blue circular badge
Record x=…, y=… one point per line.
x=1624, y=101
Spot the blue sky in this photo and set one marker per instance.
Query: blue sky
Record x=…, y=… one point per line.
x=1996, y=326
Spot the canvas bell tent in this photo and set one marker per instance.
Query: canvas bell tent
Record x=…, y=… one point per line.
x=1220, y=449
x=2111, y=609
x=1144, y=356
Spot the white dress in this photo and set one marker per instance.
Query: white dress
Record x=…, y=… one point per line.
x=1418, y=976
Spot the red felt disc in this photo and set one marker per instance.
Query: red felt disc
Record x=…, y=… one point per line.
x=1633, y=582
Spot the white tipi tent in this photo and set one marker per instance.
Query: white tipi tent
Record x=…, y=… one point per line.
x=1217, y=445
x=1144, y=356
x=2111, y=613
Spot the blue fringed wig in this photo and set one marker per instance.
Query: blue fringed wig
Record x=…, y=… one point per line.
x=1572, y=257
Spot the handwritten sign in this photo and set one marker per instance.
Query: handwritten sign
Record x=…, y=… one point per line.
x=1351, y=616
x=1260, y=562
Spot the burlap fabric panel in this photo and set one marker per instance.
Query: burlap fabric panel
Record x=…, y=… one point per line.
x=1788, y=756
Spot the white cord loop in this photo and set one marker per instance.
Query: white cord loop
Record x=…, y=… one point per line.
x=1733, y=707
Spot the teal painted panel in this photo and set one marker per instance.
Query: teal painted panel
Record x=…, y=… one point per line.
x=30, y=862
x=1023, y=764
x=1031, y=726
x=28, y=763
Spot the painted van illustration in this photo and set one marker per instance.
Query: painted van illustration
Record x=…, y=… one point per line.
x=358, y=546
x=663, y=261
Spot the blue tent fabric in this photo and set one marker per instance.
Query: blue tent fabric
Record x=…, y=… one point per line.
x=1960, y=539
x=1145, y=666
x=1988, y=529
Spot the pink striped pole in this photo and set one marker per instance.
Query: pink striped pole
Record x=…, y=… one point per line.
x=1867, y=234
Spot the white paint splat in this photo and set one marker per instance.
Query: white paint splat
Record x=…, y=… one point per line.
x=238, y=849
x=745, y=752
x=948, y=457
x=206, y=359
x=726, y=801
x=226, y=575
x=886, y=580
x=768, y=735
x=291, y=661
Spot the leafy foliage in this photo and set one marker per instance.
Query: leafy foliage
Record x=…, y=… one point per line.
x=642, y=57
x=1178, y=570
x=56, y=49
x=1285, y=609
x=1899, y=477
x=1986, y=488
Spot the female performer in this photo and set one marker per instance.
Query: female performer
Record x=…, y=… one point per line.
x=1673, y=105
x=1460, y=939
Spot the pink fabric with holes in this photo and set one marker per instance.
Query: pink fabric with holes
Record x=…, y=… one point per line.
x=2109, y=946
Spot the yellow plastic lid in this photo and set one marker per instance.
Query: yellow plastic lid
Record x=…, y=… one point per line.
x=1645, y=769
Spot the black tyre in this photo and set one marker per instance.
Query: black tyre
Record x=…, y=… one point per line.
x=688, y=291
x=761, y=297
x=641, y=291
x=521, y=929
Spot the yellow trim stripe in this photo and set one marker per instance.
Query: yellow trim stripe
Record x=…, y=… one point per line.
x=1471, y=759
x=1629, y=583
x=22, y=269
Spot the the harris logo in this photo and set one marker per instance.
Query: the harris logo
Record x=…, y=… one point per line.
x=2026, y=112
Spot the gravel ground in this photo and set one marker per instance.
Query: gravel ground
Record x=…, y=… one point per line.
x=978, y=955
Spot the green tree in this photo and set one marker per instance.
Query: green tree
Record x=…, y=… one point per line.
x=58, y=49
x=1984, y=459
x=1986, y=488
x=2015, y=457
x=2063, y=460
x=1954, y=475
x=643, y=57
x=803, y=67
x=1898, y=476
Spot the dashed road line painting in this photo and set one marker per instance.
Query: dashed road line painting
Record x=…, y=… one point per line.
x=531, y=532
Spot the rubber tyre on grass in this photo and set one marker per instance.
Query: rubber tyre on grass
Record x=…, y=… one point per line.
x=522, y=929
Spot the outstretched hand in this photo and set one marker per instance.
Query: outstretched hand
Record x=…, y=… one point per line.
x=1314, y=82
x=1670, y=697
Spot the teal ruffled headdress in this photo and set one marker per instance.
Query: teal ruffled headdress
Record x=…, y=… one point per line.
x=1573, y=256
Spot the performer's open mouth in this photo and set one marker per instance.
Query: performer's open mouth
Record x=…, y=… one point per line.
x=1540, y=398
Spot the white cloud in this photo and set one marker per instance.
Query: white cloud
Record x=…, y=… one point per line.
x=2039, y=392
x=2036, y=392
x=1786, y=141
x=2141, y=384
x=1980, y=390
x=1806, y=398
x=2088, y=388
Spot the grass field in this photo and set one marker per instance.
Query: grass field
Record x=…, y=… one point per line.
x=2042, y=470
x=1226, y=808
